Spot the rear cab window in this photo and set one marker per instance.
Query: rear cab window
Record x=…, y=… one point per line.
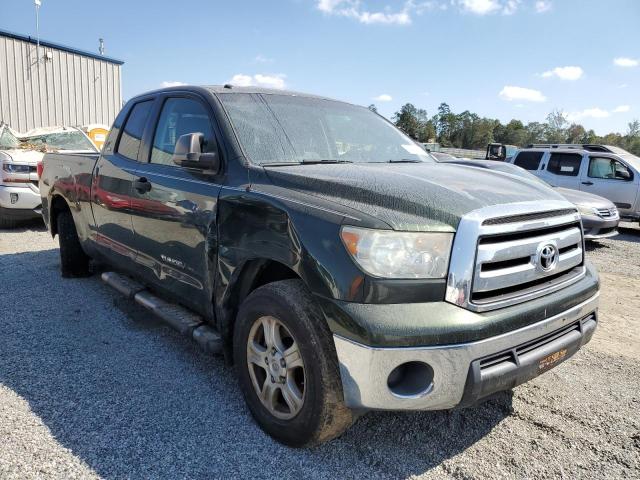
x=131, y=138
x=528, y=160
x=565, y=164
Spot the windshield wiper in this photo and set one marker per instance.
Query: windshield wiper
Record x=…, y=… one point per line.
x=403, y=160
x=315, y=162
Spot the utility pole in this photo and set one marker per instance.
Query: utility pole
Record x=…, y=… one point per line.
x=38, y=3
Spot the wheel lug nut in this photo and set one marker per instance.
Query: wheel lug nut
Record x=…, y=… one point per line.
x=283, y=364
x=273, y=380
x=283, y=379
x=273, y=351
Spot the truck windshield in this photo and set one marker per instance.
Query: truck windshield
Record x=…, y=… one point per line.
x=70, y=140
x=275, y=129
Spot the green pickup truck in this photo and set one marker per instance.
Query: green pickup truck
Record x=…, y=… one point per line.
x=325, y=254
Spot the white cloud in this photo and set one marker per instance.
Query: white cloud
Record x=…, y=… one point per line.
x=510, y=7
x=542, y=6
x=259, y=80
x=262, y=59
x=565, y=73
x=626, y=62
x=623, y=85
x=356, y=10
x=480, y=7
x=621, y=109
x=171, y=84
x=383, y=98
x=594, y=112
x=510, y=93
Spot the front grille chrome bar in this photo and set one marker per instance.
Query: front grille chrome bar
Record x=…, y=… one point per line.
x=494, y=264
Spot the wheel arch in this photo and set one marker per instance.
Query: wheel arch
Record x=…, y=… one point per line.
x=57, y=204
x=252, y=275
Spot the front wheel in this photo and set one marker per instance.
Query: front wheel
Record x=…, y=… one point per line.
x=287, y=366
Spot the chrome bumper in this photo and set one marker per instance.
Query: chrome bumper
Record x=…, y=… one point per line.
x=365, y=370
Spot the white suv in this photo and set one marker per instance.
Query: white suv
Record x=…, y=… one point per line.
x=604, y=170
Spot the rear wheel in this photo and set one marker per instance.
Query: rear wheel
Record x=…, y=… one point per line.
x=287, y=366
x=73, y=261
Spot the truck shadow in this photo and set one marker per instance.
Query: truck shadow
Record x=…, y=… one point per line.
x=131, y=398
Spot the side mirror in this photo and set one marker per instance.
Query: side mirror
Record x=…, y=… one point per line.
x=188, y=153
x=623, y=174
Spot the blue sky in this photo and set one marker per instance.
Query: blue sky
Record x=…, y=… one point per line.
x=499, y=58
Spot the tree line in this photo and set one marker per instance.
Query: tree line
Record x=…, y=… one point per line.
x=469, y=130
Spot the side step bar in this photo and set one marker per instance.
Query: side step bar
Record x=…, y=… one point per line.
x=178, y=317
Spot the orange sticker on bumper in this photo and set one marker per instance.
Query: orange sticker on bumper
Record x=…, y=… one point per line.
x=552, y=359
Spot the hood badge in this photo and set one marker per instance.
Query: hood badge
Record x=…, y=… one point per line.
x=547, y=257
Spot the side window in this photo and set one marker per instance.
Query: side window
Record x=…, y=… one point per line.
x=180, y=116
x=528, y=160
x=565, y=164
x=131, y=137
x=609, y=168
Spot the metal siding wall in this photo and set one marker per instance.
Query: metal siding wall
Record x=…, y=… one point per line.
x=68, y=89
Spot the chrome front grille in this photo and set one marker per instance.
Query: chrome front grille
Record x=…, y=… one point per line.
x=504, y=263
x=533, y=249
x=608, y=212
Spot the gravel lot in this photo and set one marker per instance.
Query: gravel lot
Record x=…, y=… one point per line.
x=90, y=386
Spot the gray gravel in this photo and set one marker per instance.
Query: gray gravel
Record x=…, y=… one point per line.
x=90, y=386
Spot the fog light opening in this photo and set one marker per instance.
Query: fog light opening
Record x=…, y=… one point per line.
x=14, y=198
x=411, y=379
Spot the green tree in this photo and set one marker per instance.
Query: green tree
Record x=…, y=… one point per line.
x=414, y=122
x=556, y=127
x=373, y=107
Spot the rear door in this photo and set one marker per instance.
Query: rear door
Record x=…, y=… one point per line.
x=562, y=169
x=112, y=183
x=611, y=178
x=174, y=208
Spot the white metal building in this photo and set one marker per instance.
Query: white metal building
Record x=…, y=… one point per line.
x=66, y=87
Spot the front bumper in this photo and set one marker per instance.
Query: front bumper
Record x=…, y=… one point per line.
x=467, y=372
x=24, y=198
x=596, y=227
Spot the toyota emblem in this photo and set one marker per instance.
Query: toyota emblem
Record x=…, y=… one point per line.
x=547, y=257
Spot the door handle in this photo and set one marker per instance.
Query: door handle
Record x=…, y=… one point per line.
x=142, y=185
x=587, y=183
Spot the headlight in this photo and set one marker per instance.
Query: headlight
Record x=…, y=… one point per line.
x=15, y=168
x=389, y=254
x=587, y=210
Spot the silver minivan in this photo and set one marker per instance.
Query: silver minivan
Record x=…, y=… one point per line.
x=604, y=170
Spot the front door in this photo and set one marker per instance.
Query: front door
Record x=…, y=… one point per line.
x=112, y=185
x=174, y=208
x=612, y=179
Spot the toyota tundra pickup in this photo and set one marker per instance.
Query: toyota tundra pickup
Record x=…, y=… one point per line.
x=325, y=254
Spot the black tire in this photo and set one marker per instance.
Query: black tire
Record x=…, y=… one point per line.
x=323, y=415
x=73, y=261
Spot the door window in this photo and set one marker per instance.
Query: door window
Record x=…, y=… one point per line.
x=528, y=160
x=180, y=116
x=566, y=164
x=609, y=168
x=130, y=140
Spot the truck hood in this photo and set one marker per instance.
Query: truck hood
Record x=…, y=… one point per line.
x=412, y=196
x=28, y=157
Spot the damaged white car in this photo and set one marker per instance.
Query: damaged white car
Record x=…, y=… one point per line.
x=19, y=157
